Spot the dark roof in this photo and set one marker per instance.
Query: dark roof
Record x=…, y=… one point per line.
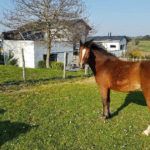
x=105, y=38
x=75, y=21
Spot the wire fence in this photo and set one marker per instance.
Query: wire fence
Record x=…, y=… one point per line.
x=134, y=59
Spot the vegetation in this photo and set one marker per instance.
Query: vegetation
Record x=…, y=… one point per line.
x=144, y=46
x=57, y=65
x=12, y=74
x=11, y=60
x=135, y=54
x=41, y=64
x=66, y=115
x=138, y=49
x=48, y=16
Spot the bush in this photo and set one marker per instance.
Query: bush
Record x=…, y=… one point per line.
x=135, y=54
x=147, y=56
x=137, y=41
x=10, y=60
x=41, y=64
x=56, y=65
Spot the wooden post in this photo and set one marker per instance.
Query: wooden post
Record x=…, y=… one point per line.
x=23, y=65
x=86, y=70
x=4, y=58
x=64, y=71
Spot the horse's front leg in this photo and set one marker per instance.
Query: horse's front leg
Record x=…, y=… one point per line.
x=105, y=93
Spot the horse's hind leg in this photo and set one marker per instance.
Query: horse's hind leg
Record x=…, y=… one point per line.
x=146, y=92
x=105, y=93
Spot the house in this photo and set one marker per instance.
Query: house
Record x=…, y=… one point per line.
x=114, y=44
x=35, y=49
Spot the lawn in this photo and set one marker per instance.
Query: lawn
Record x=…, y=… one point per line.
x=144, y=46
x=12, y=74
x=65, y=115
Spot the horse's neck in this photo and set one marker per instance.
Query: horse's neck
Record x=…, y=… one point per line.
x=97, y=60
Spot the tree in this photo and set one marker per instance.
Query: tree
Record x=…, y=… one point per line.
x=52, y=16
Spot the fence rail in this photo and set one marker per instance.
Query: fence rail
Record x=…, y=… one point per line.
x=134, y=59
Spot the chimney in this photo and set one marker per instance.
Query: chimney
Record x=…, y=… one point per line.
x=110, y=34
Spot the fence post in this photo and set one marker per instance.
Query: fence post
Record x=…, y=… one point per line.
x=23, y=65
x=4, y=58
x=86, y=70
x=64, y=71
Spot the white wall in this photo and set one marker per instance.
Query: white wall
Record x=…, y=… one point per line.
x=34, y=51
x=40, y=49
x=16, y=46
x=115, y=50
x=107, y=45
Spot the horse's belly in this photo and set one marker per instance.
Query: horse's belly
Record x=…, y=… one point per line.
x=126, y=85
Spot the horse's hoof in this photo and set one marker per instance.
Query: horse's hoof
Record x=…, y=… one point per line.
x=106, y=117
x=147, y=131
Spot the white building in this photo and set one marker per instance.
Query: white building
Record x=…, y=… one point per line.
x=35, y=51
x=114, y=44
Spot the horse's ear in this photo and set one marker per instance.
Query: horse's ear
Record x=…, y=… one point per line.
x=81, y=43
x=89, y=43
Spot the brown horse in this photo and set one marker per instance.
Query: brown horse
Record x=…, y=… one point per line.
x=112, y=73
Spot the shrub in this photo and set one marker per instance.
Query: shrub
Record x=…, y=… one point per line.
x=10, y=60
x=147, y=56
x=137, y=41
x=41, y=64
x=135, y=54
x=56, y=65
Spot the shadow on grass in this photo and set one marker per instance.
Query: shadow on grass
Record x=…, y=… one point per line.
x=10, y=130
x=133, y=97
x=36, y=81
x=2, y=111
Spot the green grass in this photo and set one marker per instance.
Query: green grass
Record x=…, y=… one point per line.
x=144, y=46
x=9, y=74
x=66, y=115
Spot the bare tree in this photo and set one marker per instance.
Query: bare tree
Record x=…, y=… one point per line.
x=54, y=17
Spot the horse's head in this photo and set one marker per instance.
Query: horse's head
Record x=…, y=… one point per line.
x=84, y=52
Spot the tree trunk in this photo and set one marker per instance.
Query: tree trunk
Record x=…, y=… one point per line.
x=49, y=41
x=48, y=55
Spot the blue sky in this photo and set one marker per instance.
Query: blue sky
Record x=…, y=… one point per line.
x=121, y=17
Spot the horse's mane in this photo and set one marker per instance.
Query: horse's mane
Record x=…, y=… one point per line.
x=101, y=49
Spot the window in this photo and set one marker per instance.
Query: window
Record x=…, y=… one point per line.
x=112, y=46
x=121, y=47
x=53, y=57
x=76, y=53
